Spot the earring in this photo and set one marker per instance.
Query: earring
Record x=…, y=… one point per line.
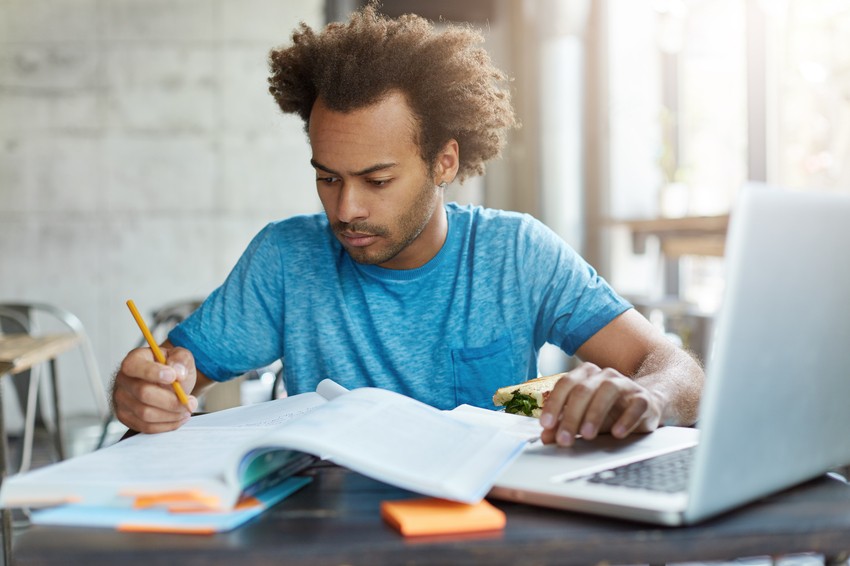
x=443, y=185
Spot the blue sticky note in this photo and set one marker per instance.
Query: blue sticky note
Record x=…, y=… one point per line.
x=159, y=519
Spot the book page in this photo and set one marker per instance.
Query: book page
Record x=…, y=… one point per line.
x=399, y=440
x=330, y=389
x=259, y=415
x=521, y=426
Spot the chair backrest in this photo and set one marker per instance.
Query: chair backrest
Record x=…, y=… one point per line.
x=167, y=317
x=13, y=321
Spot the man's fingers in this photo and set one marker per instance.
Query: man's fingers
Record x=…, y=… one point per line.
x=605, y=396
x=589, y=400
x=143, y=408
x=551, y=415
x=140, y=364
x=567, y=404
x=140, y=425
x=183, y=363
x=634, y=415
x=578, y=399
x=147, y=400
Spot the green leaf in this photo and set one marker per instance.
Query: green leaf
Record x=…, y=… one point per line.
x=521, y=404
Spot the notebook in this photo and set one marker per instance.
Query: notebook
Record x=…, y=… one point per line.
x=776, y=406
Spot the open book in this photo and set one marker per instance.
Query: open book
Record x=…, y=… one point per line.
x=215, y=459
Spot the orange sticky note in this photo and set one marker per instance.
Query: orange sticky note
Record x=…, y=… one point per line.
x=431, y=516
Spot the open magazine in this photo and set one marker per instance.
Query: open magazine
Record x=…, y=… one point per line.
x=215, y=460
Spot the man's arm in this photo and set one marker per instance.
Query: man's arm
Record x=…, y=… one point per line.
x=633, y=379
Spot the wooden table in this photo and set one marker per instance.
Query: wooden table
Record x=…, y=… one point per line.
x=335, y=520
x=692, y=235
x=18, y=353
x=678, y=237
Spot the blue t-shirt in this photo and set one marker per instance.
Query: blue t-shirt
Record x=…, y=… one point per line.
x=452, y=331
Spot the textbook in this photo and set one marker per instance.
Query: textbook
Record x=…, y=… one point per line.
x=214, y=459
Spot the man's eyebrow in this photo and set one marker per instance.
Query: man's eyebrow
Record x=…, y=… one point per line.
x=366, y=171
x=317, y=165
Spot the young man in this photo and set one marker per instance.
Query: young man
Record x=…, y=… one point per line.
x=394, y=288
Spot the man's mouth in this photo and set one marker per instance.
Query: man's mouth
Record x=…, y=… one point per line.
x=358, y=239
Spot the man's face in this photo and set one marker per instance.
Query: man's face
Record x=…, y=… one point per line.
x=377, y=191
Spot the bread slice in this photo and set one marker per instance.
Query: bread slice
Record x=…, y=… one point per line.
x=526, y=398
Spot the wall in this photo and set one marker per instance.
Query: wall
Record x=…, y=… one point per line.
x=139, y=153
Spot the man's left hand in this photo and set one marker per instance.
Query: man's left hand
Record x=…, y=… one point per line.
x=588, y=401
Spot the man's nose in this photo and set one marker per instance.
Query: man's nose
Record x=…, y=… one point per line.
x=351, y=205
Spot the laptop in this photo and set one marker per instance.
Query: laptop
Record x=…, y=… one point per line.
x=775, y=410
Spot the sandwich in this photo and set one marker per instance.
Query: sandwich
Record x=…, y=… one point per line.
x=526, y=398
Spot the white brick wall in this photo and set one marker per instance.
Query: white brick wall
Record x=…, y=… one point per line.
x=139, y=153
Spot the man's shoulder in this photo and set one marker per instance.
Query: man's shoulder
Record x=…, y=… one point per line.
x=316, y=221
x=480, y=216
x=301, y=226
x=292, y=238
x=496, y=223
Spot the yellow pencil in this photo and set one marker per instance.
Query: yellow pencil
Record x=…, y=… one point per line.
x=157, y=353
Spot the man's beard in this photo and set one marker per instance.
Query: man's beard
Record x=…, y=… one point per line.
x=410, y=226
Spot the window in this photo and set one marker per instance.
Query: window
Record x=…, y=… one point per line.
x=705, y=95
x=809, y=50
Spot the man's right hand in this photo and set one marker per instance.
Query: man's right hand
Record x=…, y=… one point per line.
x=142, y=395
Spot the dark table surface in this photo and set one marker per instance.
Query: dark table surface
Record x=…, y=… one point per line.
x=336, y=520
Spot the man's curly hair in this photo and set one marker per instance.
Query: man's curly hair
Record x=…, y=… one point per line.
x=452, y=87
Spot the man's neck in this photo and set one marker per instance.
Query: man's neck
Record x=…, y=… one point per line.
x=427, y=245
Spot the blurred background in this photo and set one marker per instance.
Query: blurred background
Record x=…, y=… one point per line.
x=140, y=150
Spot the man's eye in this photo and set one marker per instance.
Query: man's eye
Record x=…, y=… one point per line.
x=326, y=179
x=379, y=182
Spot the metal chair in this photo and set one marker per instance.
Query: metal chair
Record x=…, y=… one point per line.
x=27, y=318
x=167, y=317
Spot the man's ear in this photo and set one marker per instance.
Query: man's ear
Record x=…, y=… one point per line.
x=447, y=163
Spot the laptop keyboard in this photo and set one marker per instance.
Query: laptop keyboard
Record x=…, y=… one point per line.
x=666, y=473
